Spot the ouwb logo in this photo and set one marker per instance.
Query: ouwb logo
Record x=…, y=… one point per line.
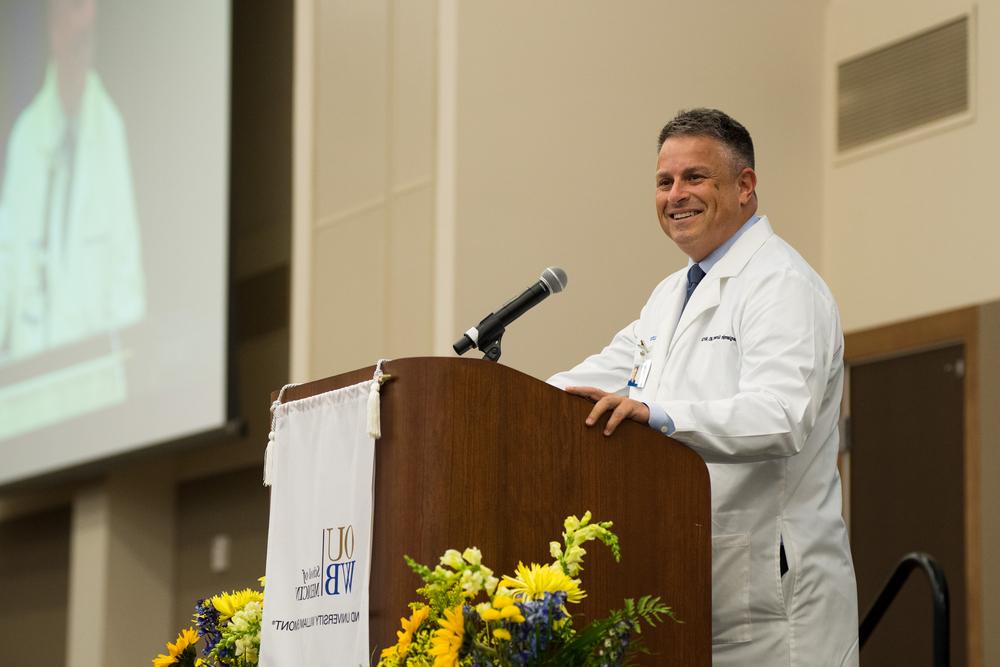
x=339, y=570
x=335, y=573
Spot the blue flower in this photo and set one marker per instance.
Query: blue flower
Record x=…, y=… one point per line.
x=206, y=617
x=531, y=639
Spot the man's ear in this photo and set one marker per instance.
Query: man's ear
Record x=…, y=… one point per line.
x=747, y=183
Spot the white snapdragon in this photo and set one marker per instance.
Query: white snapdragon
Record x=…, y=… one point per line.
x=453, y=559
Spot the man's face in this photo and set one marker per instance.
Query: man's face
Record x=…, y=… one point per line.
x=701, y=199
x=71, y=28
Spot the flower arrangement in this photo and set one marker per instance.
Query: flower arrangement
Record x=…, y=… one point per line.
x=229, y=624
x=523, y=619
x=519, y=620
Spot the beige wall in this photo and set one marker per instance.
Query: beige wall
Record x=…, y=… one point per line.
x=121, y=551
x=415, y=226
x=458, y=148
x=897, y=220
x=34, y=572
x=365, y=216
x=559, y=105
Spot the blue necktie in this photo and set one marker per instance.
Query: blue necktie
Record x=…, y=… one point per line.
x=695, y=274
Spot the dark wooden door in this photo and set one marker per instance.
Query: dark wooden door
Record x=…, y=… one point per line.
x=907, y=494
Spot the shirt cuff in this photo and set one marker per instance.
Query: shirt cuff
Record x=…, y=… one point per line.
x=659, y=420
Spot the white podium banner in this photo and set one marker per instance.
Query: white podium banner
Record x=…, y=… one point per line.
x=319, y=538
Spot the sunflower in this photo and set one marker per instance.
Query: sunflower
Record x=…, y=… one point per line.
x=405, y=636
x=534, y=581
x=227, y=604
x=185, y=640
x=447, y=640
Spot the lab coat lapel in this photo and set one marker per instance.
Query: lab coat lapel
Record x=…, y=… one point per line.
x=709, y=292
x=706, y=296
x=673, y=301
x=83, y=171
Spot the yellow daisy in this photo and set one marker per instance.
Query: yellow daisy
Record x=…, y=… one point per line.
x=501, y=608
x=500, y=633
x=405, y=636
x=185, y=639
x=447, y=640
x=534, y=581
x=227, y=604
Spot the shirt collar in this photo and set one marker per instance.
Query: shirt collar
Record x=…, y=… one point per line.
x=717, y=254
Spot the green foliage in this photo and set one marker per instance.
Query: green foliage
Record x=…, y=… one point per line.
x=540, y=631
x=613, y=640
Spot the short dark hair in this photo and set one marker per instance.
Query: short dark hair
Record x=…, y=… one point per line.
x=712, y=123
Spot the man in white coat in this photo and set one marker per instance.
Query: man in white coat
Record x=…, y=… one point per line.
x=740, y=356
x=70, y=249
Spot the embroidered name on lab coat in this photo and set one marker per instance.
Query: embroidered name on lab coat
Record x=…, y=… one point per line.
x=706, y=339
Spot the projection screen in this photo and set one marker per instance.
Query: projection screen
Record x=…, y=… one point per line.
x=114, y=144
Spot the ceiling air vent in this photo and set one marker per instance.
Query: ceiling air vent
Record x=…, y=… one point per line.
x=903, y=86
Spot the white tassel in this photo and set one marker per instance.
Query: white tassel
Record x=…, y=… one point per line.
x=271, y=438
x=375, y=401
x=374, y=410
x=269, y=460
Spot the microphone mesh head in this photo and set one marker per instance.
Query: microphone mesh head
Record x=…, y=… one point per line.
x=555, y=279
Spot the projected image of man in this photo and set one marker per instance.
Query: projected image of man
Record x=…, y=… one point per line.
x=69, y=239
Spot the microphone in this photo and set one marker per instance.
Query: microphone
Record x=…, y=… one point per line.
x=488, y=332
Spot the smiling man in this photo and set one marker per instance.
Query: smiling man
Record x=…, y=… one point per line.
x=68, y=223
x=740, y=356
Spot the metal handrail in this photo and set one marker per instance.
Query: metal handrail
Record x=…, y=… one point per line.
x=939, y=595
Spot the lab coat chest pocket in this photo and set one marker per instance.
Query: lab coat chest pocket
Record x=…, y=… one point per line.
x=714, y=360
x=731, y=588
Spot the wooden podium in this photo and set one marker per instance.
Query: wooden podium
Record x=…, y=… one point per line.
x=477, y=454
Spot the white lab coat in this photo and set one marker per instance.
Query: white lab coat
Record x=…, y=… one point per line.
x=78, y=271
x=751, y=374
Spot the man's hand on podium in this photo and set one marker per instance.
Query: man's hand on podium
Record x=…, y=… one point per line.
x=621, y=407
